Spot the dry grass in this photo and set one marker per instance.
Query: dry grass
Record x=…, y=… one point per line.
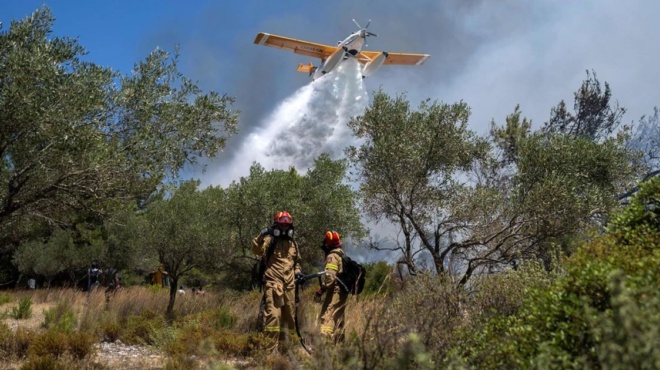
x=218, y=328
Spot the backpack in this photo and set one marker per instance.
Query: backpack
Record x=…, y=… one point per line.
x=112, y=277
x=94, y=273
x=353, y=275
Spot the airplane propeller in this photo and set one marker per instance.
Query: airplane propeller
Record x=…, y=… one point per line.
x=366, y=33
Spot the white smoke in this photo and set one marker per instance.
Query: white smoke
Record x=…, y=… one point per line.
x=310, y=122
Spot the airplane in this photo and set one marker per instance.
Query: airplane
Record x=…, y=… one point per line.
x=331, y=56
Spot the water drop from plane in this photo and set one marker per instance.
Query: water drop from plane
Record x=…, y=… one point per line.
x=312, y=121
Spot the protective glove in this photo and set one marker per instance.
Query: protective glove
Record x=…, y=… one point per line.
x=300, y=278
x=318, y=294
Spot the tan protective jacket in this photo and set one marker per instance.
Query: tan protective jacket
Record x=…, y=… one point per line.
x=333, y=266
x=284, y=261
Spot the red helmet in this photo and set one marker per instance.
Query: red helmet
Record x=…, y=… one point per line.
x=332, y=239
x=283, y=218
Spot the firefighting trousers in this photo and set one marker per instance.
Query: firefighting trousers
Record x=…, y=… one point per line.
x=279, y=310
x=332, y=312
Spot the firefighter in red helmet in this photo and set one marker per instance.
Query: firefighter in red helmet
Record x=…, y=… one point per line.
x=331, y=318
x=281, y=265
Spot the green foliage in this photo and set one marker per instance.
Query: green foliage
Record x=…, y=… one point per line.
x=60, y=318
x=80, y=345
x=379, y=279
x=81, y=139
x=183, y=231
x=110, y=329
x=44, y=363
x=601, y=314
x=180, y=362
x=141, y=329
x=58, y=344
x=228, y=342
x=503, y=294
x=408, y=161
x=49, y=343
x=318, y=201
x=509, y=137
x=413, y=355
x=6, y=342
x=23, y=310
x=564, y=179
x=4, y=298
x=222, y=318
x=628, y=333
x=639, y=224
x=69, y=250
x=156, y=289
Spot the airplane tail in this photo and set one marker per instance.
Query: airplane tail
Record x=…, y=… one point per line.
x=307, y=68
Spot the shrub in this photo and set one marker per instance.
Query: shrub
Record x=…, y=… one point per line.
x=186, y=342
x=601, y=314
x=378, y=278
x=225, y=319
x=80, y=345
x=60, y=318
x=49, y=343
x=22, y=340
x=229, y=342
x=180, y=362
x=109, y=328
x=23, y=310
x=140, y=329
x=44, y=363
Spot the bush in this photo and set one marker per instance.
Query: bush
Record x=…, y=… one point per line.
x=223, y=319
x=60, y=318
x=378, y=278
x=80, y=345
x=109, y=327
x=602, y=314
x=23, y=310
x=44, y=363
x=49, y=344
x=140, y=329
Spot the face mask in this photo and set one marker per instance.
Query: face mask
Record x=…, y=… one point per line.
x=277, y=232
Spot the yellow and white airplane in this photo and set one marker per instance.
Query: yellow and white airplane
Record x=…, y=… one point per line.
x=331, y=56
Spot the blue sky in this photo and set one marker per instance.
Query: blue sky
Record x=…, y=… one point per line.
x=119, y=33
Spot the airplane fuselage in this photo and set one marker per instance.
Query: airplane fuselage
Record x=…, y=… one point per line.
x=353, y=43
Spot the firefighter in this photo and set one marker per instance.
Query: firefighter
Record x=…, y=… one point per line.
x=281, y=257
x=331, y=318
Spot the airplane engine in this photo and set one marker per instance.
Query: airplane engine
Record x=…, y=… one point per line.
x=330, y=63
x=374, y=65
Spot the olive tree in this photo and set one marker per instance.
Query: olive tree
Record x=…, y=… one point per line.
x=79, y=138
x=319, y=200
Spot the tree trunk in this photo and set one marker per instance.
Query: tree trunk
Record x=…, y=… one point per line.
x=174, y=283
x=438, y=262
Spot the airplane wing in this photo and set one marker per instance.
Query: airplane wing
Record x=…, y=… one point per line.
x=297, y=46
x=394, y=58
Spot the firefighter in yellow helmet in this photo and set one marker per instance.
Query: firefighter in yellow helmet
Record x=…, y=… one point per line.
x=334, y=304
x=281, y=262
